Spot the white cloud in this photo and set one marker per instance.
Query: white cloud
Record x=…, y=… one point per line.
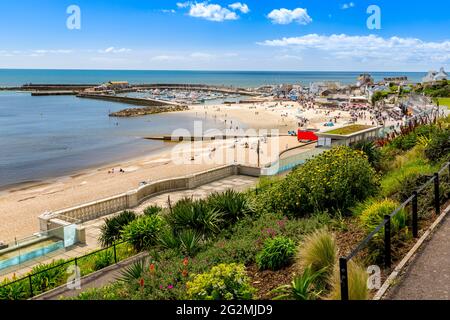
x=114, y=50
x=167, y=58
x=183, y=4
x=52, y=51
x=289, y=57
x=370, y=47
x=211, y=12
x=347, y=5
x=286, y=16
x=168, y=11
x=202, y=55
x=242, y=7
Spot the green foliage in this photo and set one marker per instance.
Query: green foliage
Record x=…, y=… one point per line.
x=133, y=272
x=112, y=228
x=152, y=210
x=247, y=238
x=49, y=279
x=357, y=283
x=223, y=282
x=187, y=241
x=408, y=141
x=405, y=167
x=302, y=287
x=378, y=96
x=231, y=204
x=438, y=148
x=318, y=252
x=334, y=180
x=276, y=253
x=15, y=291
x=372, y=152
x=142, y=233
x=195, y=215
x=103, y=260
x=371, y=213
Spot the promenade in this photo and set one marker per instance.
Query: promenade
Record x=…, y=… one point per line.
x=237, y=183
x=427, y=277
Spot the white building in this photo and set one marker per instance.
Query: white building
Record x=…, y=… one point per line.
x=433, y=76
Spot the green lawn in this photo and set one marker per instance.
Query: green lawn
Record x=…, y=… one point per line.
x=444, y=102
x=349, y=129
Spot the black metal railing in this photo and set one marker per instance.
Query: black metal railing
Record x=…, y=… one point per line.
x=74, y=261
x=386, y=224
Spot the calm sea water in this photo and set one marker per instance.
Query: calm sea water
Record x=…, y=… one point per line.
x=45, y=137
x=234, y=78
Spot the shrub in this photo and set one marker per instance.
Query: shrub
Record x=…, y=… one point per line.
x=186, y=241
x=231, y=204
x=133, y=272
x=276, y=253
x=103, y=260
x=152, y=210
x=439, y=147
x=373, y=212
x=223, y=282
x=335, y=179
x=318, y=252
x=408, y=141
x=49, y=279
x=372, y=215
x=196, y=215
x=112, y=228
x=15, y=291
x=372, y=152
x=301, y=288
x=357, y=283
x=142, y=233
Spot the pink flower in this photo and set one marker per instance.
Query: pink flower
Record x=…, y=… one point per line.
x=170, y=286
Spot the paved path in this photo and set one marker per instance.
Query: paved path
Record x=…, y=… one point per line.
x=428, y=276
x=238, y=183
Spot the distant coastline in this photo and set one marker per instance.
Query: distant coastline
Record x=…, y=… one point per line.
x=19, y=77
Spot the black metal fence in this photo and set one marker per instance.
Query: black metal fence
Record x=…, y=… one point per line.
x=33, y=291
x=386, y=224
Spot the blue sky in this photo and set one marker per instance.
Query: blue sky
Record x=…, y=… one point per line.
x=226, y=35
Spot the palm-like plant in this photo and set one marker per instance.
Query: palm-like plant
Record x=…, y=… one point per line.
x=133, y=272
x=302, y=287
x=233, y=205
x=195, y=215
x=112, y=228
x=371, y=150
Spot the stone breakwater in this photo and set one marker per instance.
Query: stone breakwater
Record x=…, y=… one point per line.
x=137, y=112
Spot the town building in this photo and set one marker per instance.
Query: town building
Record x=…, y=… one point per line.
x=433, y=76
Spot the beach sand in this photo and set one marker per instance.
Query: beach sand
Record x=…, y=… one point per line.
x=20, y=206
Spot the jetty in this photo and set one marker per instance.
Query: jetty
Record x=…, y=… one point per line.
x=172, y=138
x=54, y=93
x=128, y=100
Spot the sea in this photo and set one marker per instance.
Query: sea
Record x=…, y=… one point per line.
x=53, y=136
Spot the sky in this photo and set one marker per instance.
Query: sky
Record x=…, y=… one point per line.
x=282, y=35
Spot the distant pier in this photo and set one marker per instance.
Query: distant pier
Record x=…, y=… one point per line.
x=127, y=100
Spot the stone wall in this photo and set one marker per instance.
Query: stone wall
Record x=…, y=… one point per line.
x=133, y=198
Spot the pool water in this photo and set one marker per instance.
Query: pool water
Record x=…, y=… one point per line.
x=29, y=252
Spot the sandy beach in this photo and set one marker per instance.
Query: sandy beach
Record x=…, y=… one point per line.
x=21, y=206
